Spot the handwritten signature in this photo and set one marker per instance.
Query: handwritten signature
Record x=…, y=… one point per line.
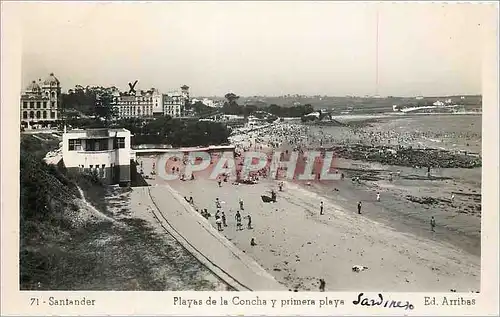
x=365, y=301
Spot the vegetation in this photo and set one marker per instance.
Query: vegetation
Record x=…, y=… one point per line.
x=232, y=107
x=58, y=254
x=88, y=101
x=164, y=130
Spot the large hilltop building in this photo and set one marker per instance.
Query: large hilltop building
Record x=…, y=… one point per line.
x=40, y=104
x=150, y=103
x=143, y=104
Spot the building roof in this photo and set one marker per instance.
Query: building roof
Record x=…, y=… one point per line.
x=97, y=129
x=51, y=80
x=33, y=86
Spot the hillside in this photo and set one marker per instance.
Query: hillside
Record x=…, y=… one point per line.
x=359, y=104
x=71, y=238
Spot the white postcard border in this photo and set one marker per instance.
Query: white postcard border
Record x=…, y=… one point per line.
x=15, y=302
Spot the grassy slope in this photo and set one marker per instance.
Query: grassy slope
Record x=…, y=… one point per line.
x=56, y=254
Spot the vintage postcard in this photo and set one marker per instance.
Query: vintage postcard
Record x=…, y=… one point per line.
x=249, y=158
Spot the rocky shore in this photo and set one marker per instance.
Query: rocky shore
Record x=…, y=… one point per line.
x=410, y=157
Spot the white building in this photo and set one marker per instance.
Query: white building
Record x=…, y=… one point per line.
x=105, y=152
x=143, y=104
x=174, y=102
x=40, y=103
x=207, y=102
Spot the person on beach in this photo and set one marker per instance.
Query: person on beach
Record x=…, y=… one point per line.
x=241, y=204
x=217, y=202
x=322, y=285
x=359, y=207
x=273, y=195
x=280, y=185
x=238, y=220
x=218, y=221
x=249, y=226
x=217, y=214
x=191, y=200
x=321, y=208
x=252, y=242
x=452, y=197
x=205, y=213
x=433, y=224
x=223, y=217
x=219, y=181
x=378, y=196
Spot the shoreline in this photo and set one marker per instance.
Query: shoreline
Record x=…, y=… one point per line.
x=284, y=232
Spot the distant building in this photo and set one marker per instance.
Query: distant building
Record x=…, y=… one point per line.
x=138, y=105
x=207, y=102
x=174, y=102
x=40, y=104
x=105, y=152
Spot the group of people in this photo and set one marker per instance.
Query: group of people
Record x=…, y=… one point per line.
x=221, y=220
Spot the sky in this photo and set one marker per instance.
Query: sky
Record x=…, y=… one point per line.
x=257, y=48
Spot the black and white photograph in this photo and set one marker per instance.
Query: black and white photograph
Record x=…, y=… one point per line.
x=250, y=146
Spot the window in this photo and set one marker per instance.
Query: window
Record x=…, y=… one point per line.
x=45, y=104
x=45, y=114
x=38, y=104
x=96, y=145
x=25, y=104
x=52, y=115
x=75, y=144
x=25, y=115
x=103, y=145
x=32, y=114
x=119, y=143
x=38, y=114
x=32, y=104
x=52, y=104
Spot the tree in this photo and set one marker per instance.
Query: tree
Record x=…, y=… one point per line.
x=200, y=108
x=231, y=105
x=308, y=108
x=231, y=98
x=103, y=106
x=249, y=109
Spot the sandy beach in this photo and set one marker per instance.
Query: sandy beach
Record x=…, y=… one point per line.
x=298, y=246
x=392, y=238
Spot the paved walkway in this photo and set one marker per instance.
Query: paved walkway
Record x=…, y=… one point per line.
x=207, y=244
